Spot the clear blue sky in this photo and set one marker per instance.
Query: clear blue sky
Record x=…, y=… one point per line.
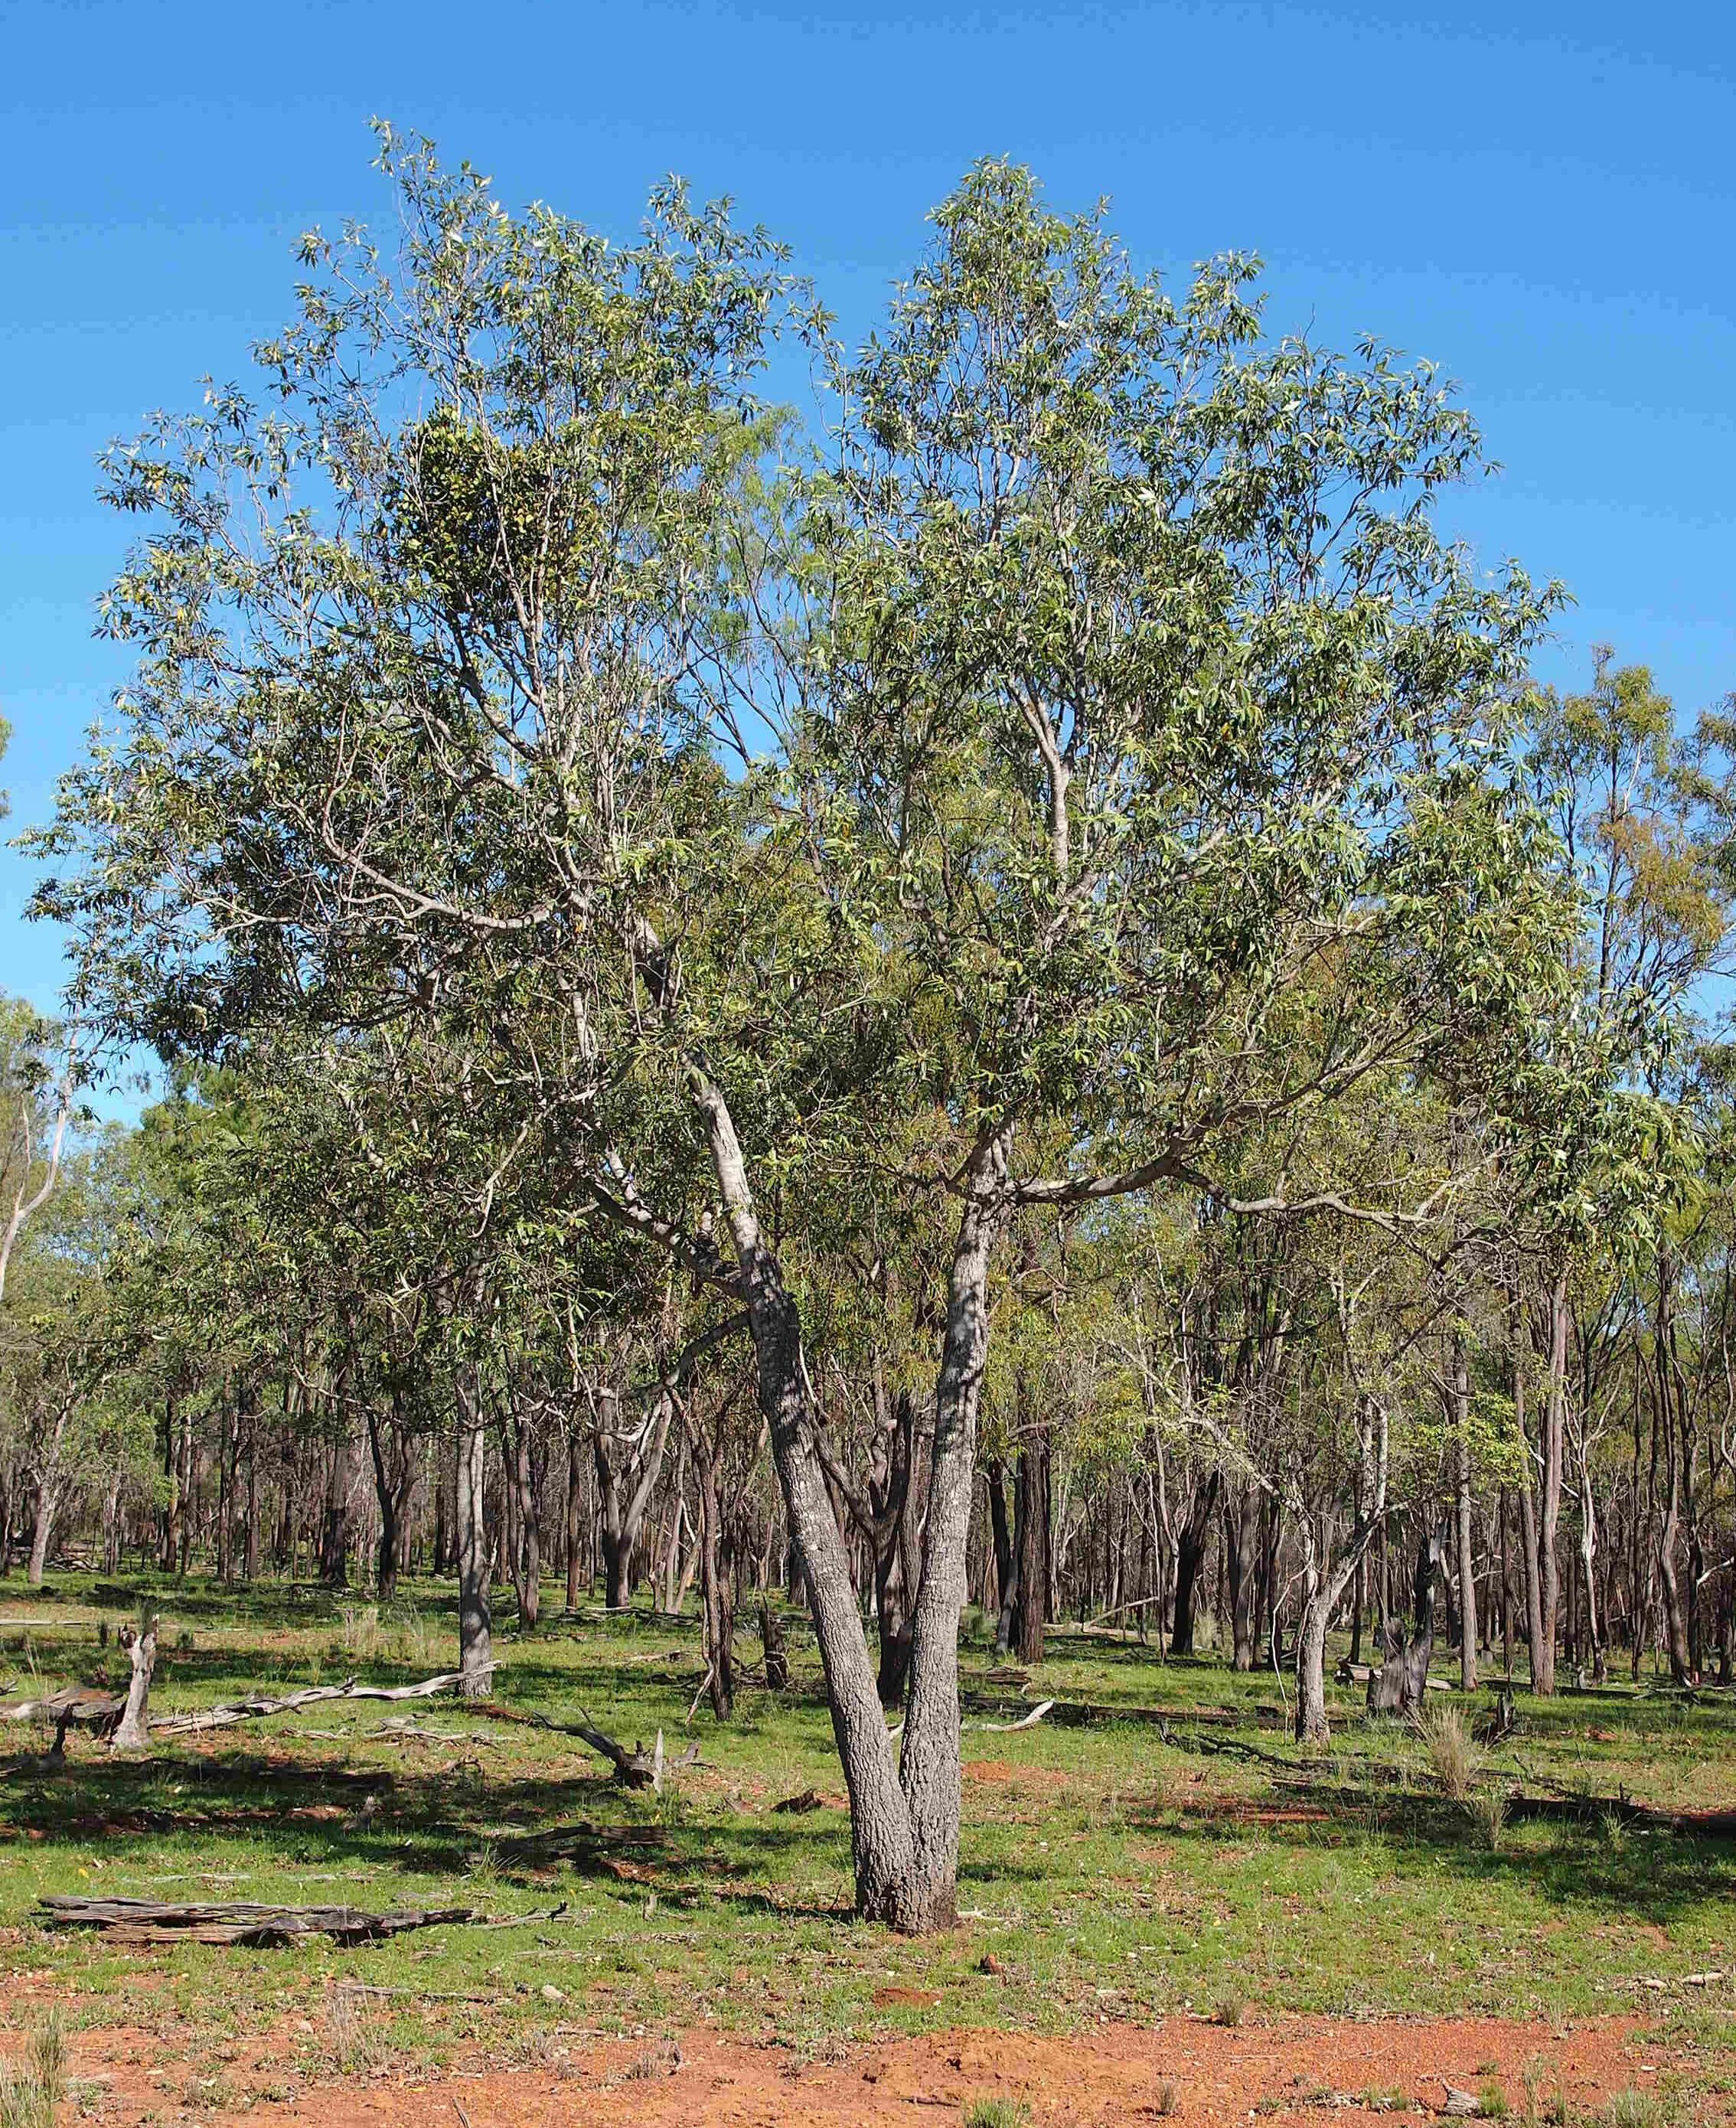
x=1541, y=198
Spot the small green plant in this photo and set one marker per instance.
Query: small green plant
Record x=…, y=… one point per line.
x=1492, y=2101
x=997, y=2113
x=1167, y=2099
x=1230, y=2009
x=212, y=2094
x=32, y=2087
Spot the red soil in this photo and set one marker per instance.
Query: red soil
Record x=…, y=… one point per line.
x=1294, y=2070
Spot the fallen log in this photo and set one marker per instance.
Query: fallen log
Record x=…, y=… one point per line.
x=581, y=1842
x=235, y=1920
x=72, y=1704
x=259, y=1706
x=1074, y=1713
x=640, y=1768
x=1360, y=1673
x=1029, y=1722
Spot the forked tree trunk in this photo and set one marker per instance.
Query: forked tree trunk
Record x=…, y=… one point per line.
x=904, y=1818
x=929, y=1770
x=619, y=1521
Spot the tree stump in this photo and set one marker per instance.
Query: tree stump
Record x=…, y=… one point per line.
x=777, y=1655
x=133, y=1731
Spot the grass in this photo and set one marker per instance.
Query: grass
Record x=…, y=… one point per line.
x=1104, y=1871
x=1487, y=1809
x=1447, y=1739
x=32, y=2086
x=1231, y=2007
x=997, y=2113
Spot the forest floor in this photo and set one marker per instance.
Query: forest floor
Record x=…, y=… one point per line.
x=1198, y=1917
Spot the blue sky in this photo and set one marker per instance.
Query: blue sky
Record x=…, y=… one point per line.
x=1542, y=199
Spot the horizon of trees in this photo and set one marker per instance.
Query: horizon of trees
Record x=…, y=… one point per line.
x=1018, y=1000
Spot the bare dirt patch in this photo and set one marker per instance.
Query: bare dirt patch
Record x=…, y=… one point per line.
x=1291, y=2070
x=995, y=1773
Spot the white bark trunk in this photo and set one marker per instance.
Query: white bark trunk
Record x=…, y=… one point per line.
x=475, y=1624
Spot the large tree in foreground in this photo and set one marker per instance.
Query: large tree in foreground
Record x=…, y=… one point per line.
x=1096, y=748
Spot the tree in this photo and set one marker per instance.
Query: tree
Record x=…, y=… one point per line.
x=1106, y=692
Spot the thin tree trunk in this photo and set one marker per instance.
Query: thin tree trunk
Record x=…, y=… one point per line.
x=474, y=1623
x=575, y=1511
x=1462, y=1476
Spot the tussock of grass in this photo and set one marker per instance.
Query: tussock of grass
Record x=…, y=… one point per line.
x=1633, y=2109
x=1447, y=1739
x=997, y=2113
x=1230, y=2007
x=1488, y=1811
x=32, y=2086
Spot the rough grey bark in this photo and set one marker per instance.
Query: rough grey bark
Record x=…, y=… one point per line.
x=929, y=1769
x=883, y=1848
x=474, y=1623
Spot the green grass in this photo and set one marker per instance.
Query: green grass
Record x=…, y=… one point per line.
x=1105, y=1872
x=997, y=2113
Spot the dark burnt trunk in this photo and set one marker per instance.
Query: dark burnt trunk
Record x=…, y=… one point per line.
x=1190, y=1550
x=1006, y=1569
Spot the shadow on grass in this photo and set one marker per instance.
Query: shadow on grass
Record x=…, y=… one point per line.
x=1647, y=1875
